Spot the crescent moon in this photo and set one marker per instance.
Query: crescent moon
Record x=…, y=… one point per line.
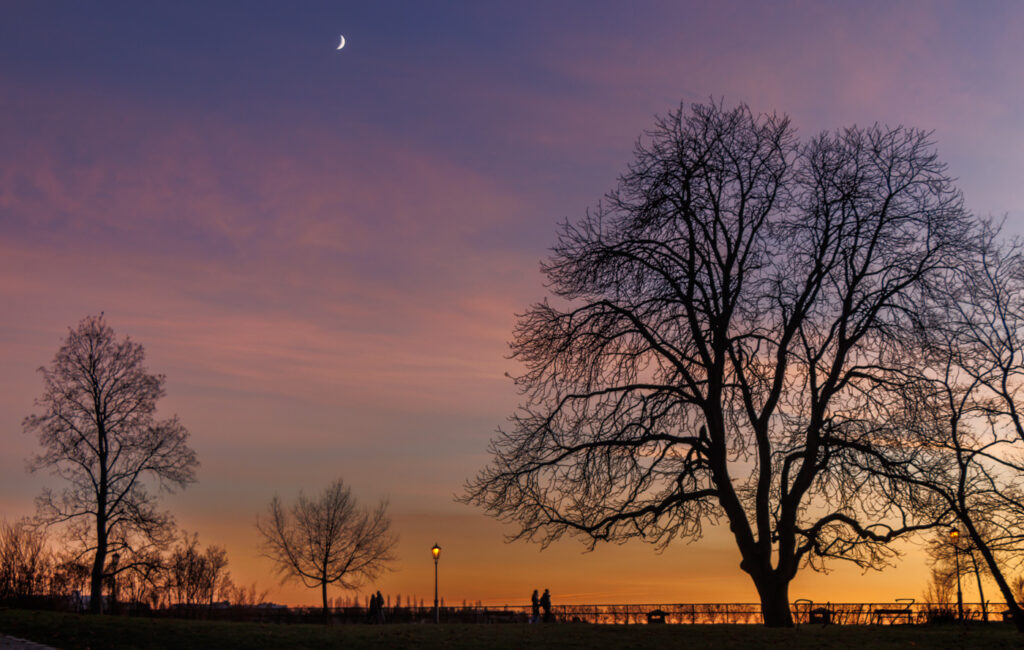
x=342, y=44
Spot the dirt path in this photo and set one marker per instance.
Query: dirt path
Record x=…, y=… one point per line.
x=14, y=643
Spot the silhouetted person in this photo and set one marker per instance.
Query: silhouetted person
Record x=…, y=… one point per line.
x=380, y=607
x=545, y=604
x=535, y=605
x=373, y=608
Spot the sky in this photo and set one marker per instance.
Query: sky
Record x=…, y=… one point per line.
x=324, y=250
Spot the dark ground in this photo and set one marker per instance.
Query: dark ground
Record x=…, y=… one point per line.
x=72, y=631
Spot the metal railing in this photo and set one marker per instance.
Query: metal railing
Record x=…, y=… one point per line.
x=901, y=611
x=804, y=612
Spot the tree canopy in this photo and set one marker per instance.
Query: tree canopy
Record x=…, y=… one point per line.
x=98, y=430
x=723, y=340
x=328, y=540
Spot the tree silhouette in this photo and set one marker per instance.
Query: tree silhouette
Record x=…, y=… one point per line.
x=719, y=345
x=328, y=540
x=98, y=431
x=964, y=380
x=194, y=576
x=940, y=588
x=26, y=563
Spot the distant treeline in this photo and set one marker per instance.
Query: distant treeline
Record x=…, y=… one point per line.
x=187, y=578
x=32, y=568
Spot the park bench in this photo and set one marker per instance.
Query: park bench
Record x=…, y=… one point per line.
x=656, y=616
x=894, y=614
x=501, y=616
x=821, y=614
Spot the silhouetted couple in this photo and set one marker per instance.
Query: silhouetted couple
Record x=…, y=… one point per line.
x=377, y=608
x=541, y=603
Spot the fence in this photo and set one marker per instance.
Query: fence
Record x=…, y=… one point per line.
x=804, y=612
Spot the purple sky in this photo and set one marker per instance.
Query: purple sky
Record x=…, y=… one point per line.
x=324, y=250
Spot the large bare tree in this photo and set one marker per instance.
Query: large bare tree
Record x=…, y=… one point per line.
x=723, y=321
x=328, y=539
x=98, y=429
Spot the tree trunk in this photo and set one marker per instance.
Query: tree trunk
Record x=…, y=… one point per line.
x=1004, y=588
x=98, y=562
x=98, y=567
x=774, y=593
x=96, y=581
x=323, y=595
x=981, y=592
x=1016, y=613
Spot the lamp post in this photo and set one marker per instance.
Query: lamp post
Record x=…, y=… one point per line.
x=436, y=552
x=954, y=535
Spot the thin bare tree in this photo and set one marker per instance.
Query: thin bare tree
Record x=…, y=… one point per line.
x=242, y=596
x=1017, y=585
x=940, y=589
x=196, y=577
x=71, y=575
x=969, y=378
x=26, y=563
x=719, y=346
x=328, y=540
x=144, y=583
x=970, y=462
x=947, y=555
x=99, y=433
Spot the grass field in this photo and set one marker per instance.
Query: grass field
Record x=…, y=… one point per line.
x=72, y=631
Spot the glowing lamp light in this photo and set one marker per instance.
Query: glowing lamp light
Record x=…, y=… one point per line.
x=954, y=535
x=436, y=552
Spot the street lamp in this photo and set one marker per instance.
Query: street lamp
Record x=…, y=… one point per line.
x=436, y=552
x=954, y=534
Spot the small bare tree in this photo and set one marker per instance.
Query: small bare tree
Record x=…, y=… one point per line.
x=1017, y=586
x=940, y=587
x=26, y=564
x=70, y=575
x=99, y=433
x=194, y=576
x=242, y=596
x=143, y=583
x=328, y=540
x=943, y=552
